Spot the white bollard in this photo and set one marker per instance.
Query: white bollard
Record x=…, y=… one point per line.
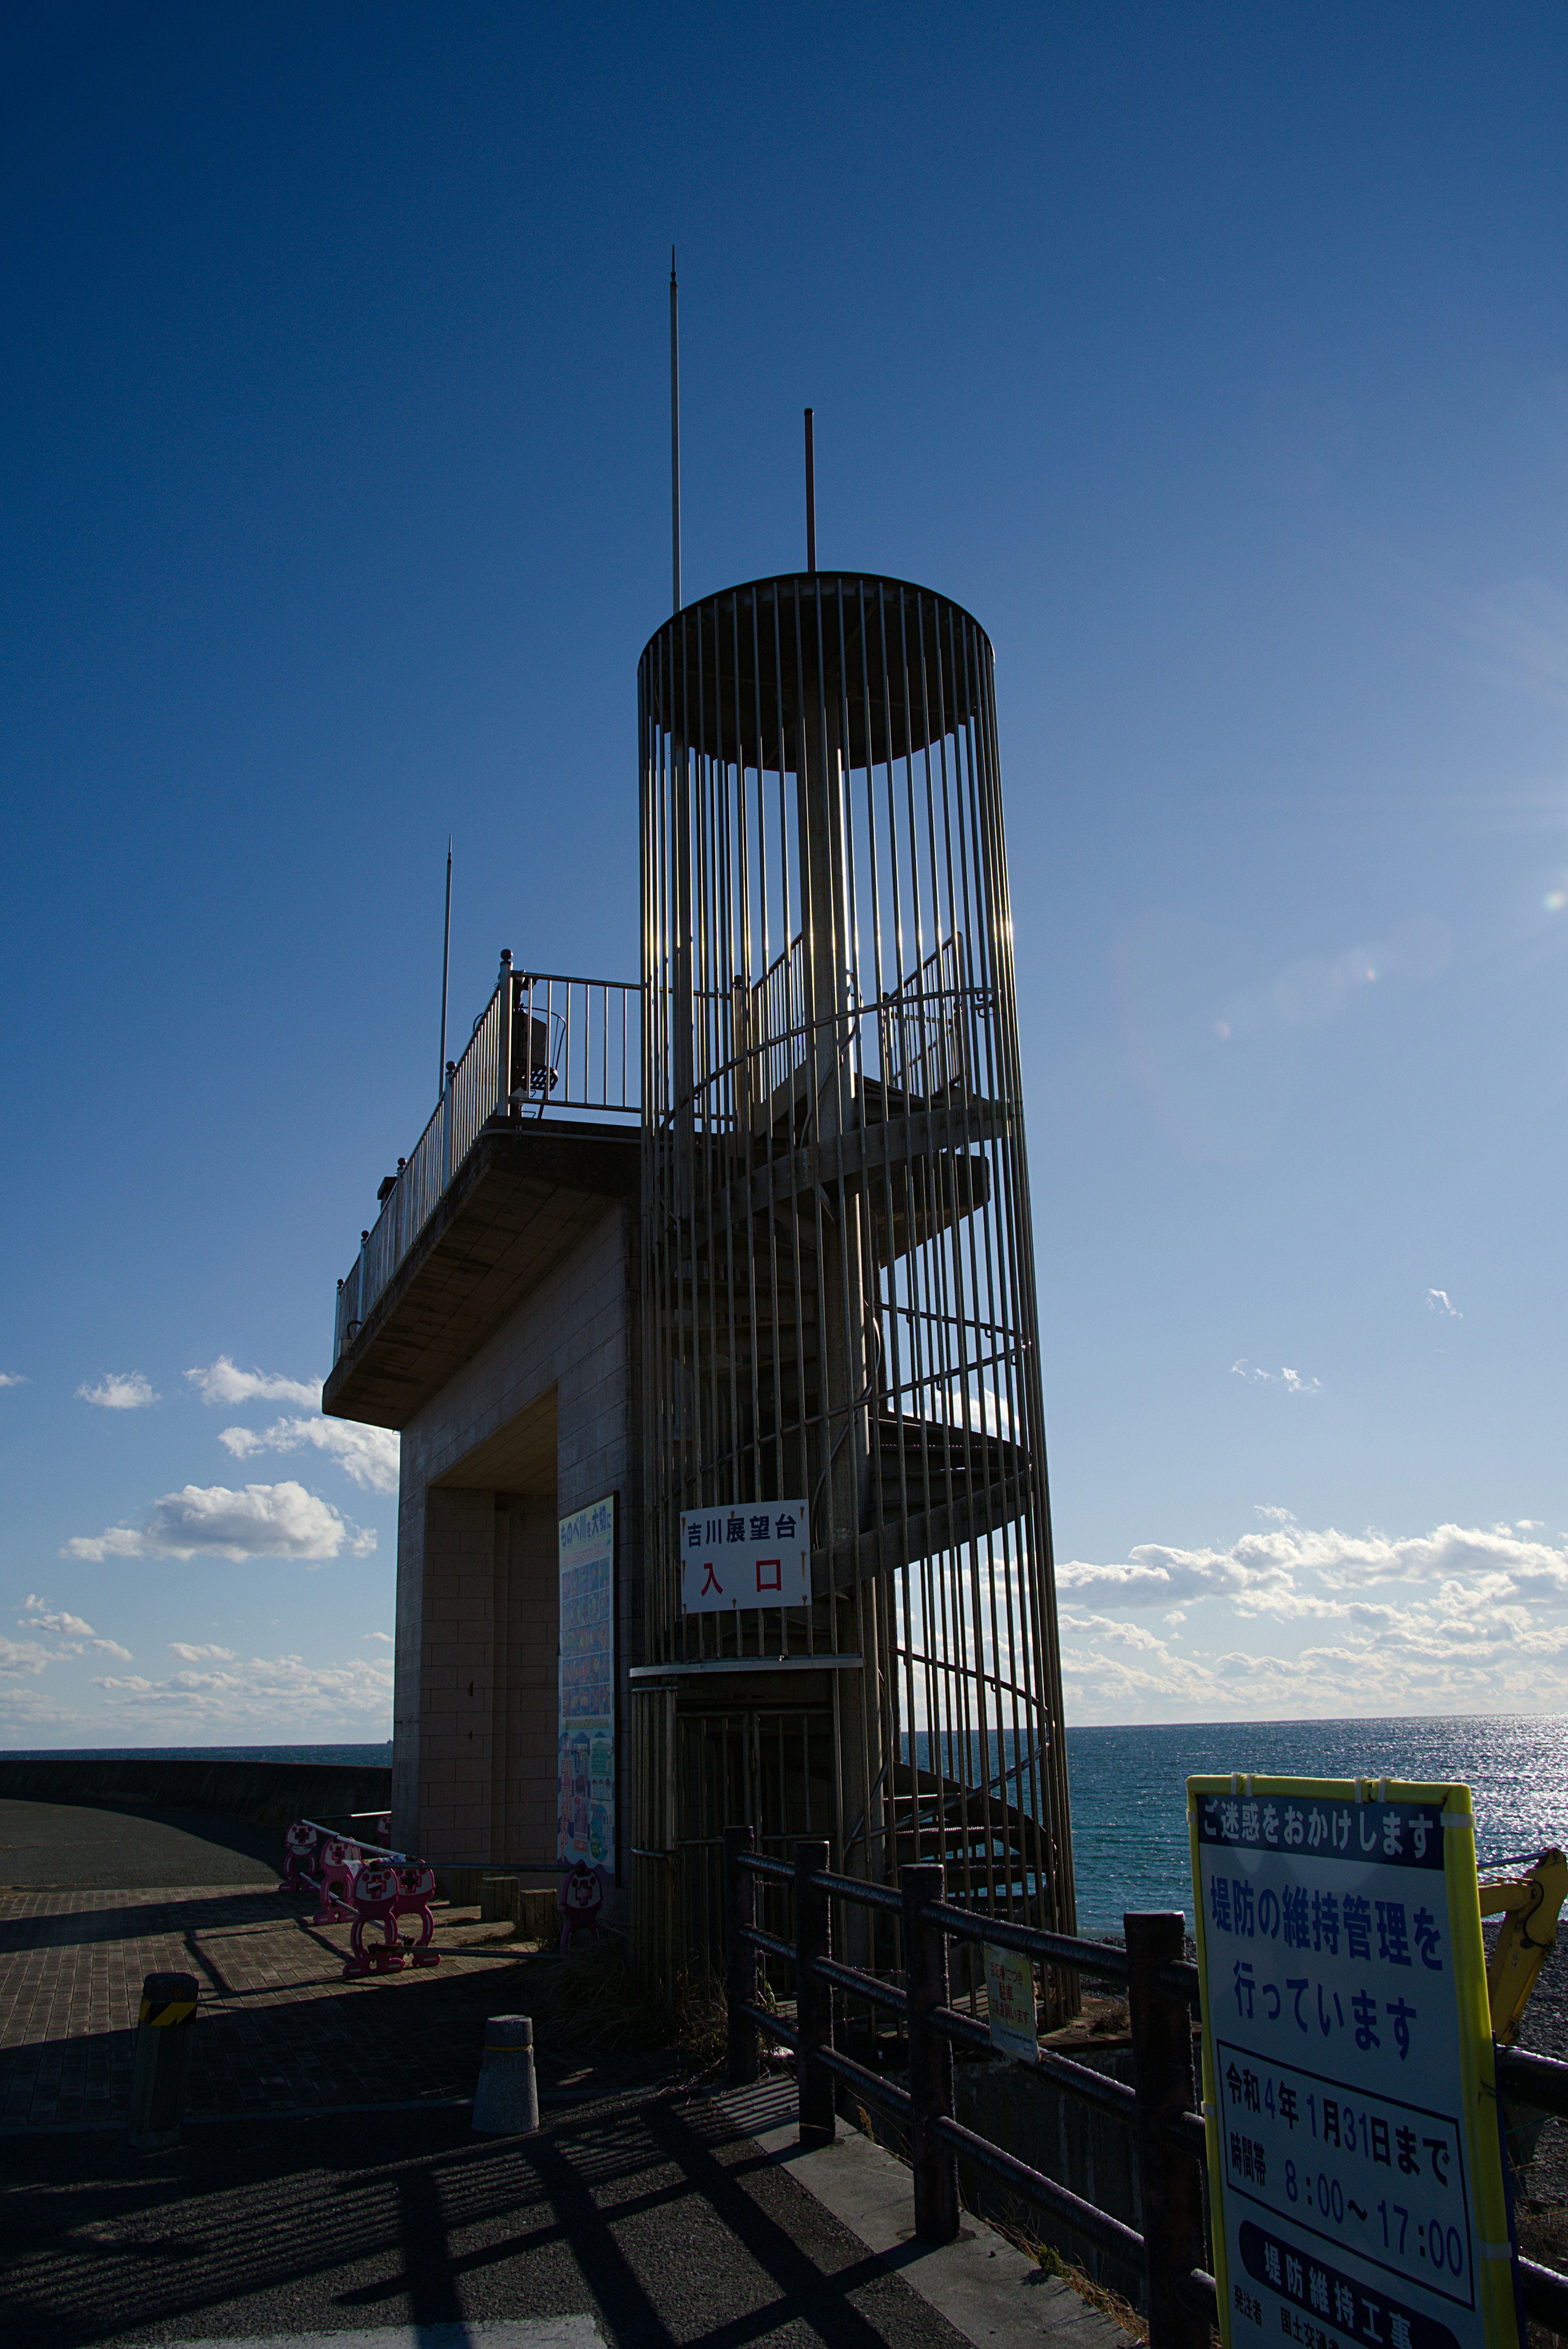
x=506, y=2102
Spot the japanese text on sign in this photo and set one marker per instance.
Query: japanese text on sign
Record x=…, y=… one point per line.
x=754, y=1555
x=1358, y=2195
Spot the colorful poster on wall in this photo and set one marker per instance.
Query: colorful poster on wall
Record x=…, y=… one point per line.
x=585, y=1772
x=1355, y=2161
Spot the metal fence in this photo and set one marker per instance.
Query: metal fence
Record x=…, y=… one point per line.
x=543, y=1041
x=1162, y=1992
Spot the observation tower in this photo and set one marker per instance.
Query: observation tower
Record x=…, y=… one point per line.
x=837, y=1313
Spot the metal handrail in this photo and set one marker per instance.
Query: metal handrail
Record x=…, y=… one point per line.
x=1163, y=1990
x=543, y=1040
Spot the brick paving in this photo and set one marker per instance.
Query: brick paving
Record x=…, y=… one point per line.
x=278, y=2029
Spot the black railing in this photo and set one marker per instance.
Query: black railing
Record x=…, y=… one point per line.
x=1162, y=1988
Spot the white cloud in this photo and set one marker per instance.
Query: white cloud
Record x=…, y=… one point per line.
x=261, y=1521
x=222, y=1382
x=263, y=1689
x=209, y=1655
x=1263, y=1567
x=1271, y=1510
x=37, y=1615
x=23, y=1656
x=385, y=1637
x=1440, y=1301
x=121, y=1391
x=1459, y=1619
x=1291, y=1381
x=989, y=1411
x=368, y=1454
x=12, y=1379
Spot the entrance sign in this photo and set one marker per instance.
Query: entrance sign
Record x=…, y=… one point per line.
x=585, y=1766
x=1010, y=2003
x=1355, y=2157
x=757, y=1553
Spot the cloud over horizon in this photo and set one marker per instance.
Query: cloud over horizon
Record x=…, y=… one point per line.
x=259, y=1690
x=260, y=1521
x=1463, y=1618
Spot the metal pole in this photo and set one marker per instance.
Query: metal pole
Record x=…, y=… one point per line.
x=674, y=435
x=811, y=495
x=813, y=1998
x=740, y=1958
x=503, y=1081
x=1171, y=2179
x=446, y=965
x=935, y=2165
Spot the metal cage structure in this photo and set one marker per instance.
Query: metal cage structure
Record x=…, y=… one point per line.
x=838, y=1262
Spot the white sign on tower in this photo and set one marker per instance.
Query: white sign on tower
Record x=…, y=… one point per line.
x=756, y=1553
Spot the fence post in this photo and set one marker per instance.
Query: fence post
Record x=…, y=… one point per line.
x=1169, y=2178
x=935, y=2165
x=813, y=1996
x=740, y=1958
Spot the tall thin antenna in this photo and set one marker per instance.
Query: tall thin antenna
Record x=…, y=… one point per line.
x=811, y=495
x=675, y=433
x=446, y=965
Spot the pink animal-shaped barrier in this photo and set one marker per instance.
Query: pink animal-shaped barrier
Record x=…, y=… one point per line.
x=580, y=1900
x=383, y=1890
x=299, y=1851
x=336, y=1863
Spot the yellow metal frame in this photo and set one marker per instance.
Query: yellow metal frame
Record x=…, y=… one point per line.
x=1478, y=2076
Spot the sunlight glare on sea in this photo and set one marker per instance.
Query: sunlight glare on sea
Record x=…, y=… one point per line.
x=1128, y=1789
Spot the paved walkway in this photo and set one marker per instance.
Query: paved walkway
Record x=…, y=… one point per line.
x=279, y=2029
x=328, y=2180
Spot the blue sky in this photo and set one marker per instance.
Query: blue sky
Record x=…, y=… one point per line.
x=1217, y=359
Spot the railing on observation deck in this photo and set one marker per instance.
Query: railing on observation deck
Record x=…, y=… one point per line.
x=542, y=1043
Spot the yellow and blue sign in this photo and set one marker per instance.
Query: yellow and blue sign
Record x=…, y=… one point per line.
x=1354, y=2159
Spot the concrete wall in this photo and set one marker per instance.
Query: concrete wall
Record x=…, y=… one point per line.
x=272, y=1792
x=474, y=1774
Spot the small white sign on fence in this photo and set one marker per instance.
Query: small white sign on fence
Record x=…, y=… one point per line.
x=756, y=1554
x=1010, y=1999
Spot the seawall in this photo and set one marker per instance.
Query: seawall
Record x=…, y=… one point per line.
x=271, y=1792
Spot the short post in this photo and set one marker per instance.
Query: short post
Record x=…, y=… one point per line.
x=161, y=2068
x=506, y=2101
x=935, y=2165
x=740, y=1958
x=500, y=1899
x=1168, y=2178
x=813, y=1997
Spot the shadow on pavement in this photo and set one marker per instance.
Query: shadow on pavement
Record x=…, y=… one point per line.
x=649, y=2213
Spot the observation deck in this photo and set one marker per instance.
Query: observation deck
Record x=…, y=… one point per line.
x=536, y=1131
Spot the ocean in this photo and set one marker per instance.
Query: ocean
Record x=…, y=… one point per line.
x=1129, y=1785
x=1128, y=1789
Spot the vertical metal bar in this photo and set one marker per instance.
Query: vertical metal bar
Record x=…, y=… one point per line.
x=810, y=496
x=813, y=1997
x=1170, y=2178
x=674, y=436
x=446, y=965
x=740, y=1970
x=930, y=2056
x=503, y=1048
